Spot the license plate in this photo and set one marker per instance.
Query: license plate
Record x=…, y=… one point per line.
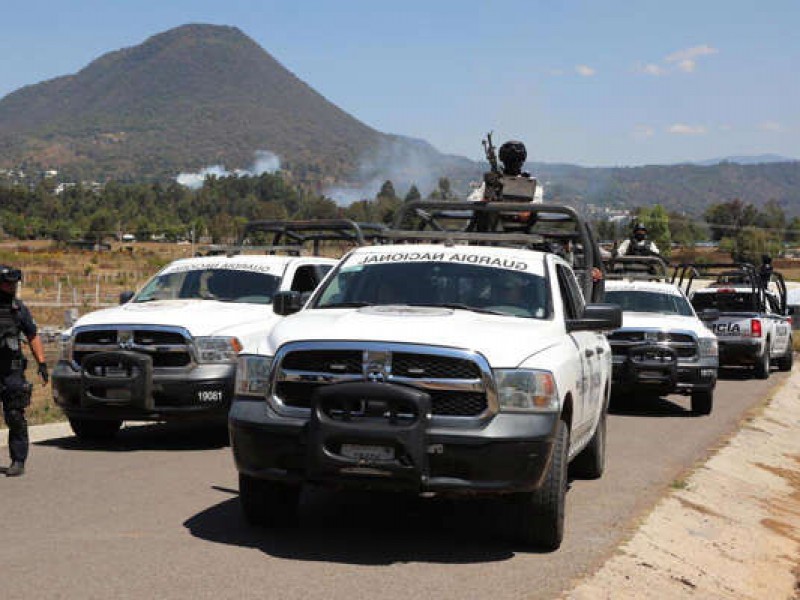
x=651, y=374
x=115, y=372
x=359, y=452
x=209, y=396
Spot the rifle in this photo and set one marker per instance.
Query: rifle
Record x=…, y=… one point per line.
x=492, y=179
x=491, y=155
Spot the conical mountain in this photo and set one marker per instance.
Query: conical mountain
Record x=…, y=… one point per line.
x=189, y=97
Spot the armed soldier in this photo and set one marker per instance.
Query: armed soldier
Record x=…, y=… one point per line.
x=15, y=391
x=511, y=184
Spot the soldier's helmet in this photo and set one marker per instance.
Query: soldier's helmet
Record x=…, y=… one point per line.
x=513, y=154
x=639, y=231
x=10, y=274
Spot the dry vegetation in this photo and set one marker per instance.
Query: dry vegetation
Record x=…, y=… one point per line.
x=83, y=277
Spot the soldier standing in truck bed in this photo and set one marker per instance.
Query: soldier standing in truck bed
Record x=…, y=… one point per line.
x=511, y=184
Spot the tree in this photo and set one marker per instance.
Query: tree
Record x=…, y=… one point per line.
x=685, y=230
x=387, y=191
x=772, y=217
x=793, y=231
x=413, y=194
x=752, y=243
x=728, y=218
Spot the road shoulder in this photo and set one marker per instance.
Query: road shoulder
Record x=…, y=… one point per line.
x=729, y=530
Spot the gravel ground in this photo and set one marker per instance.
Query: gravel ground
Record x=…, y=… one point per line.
x=731, y=529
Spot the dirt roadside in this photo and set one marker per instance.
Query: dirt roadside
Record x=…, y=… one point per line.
x=731, y=529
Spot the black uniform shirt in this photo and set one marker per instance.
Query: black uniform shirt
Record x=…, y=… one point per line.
x=24, y=318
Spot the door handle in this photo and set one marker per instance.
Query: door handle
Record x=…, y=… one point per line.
x=589, y=353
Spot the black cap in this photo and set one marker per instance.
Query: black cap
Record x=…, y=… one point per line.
x=10, y=274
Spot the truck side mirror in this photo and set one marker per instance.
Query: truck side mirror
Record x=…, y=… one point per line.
x=708, y=315
x=287, y=303
x=125, y=297
x=597, y=317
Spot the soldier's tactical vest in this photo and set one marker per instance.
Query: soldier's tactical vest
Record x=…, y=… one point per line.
x=9, y=329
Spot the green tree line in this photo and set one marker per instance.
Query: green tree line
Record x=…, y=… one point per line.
x=218, y=209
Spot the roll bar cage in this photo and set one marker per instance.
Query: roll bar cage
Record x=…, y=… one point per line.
x=685, y=275
x=638, y=268
x=295, y=237
x=552, y=228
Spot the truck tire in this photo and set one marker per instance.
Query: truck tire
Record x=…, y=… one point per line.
x=591, y=462
x=762, y=366
x=95, y=429
x=786, y=361
x=540, y=514
x=702, y=402
x=268, y=503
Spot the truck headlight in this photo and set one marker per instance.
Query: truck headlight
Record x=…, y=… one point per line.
x=217, y=349
x=708, y=347
x=252, y=375
x=65, y=347
x=526, y=390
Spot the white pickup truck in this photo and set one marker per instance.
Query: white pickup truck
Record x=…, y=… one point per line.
x=753, y=327
x=663, y=346
x=430, y=367
x=169, y=352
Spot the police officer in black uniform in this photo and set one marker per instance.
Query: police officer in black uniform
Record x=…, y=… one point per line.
x=15, y=391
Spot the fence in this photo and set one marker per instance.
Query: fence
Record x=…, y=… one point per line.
x=68, y=290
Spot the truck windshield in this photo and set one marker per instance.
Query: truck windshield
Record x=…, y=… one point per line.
x=453, y=285
x=652, y=302
x=725, y=301
x=224, y=285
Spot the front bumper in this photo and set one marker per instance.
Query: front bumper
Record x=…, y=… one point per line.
x=682, y=377
x=200, y=392
x=508, y=453
x=741, y=351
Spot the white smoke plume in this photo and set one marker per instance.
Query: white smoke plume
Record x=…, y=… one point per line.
x=264, y=162
x=404, y=162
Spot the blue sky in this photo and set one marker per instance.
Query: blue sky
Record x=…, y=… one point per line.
x=586, y=82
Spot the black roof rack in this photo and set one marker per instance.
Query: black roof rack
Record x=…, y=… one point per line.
x=534, y=226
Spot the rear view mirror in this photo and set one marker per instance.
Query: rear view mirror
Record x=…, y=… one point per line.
x=597, y=317
x=287, y=303
x=125, y=297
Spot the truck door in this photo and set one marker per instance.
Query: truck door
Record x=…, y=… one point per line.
x=781, y=328
x=585, y=343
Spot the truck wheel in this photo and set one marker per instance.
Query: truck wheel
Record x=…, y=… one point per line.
x=591, y=462
x=540, y=514
x=702, y=402
x=762, y=366
x=95, y=429
x=268, y=503
x=786, y=361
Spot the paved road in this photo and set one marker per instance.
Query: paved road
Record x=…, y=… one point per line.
x=155, y=514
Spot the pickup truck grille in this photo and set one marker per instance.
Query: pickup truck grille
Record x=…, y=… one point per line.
x=455, y=384
x=684, y=344
x=168, y=348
